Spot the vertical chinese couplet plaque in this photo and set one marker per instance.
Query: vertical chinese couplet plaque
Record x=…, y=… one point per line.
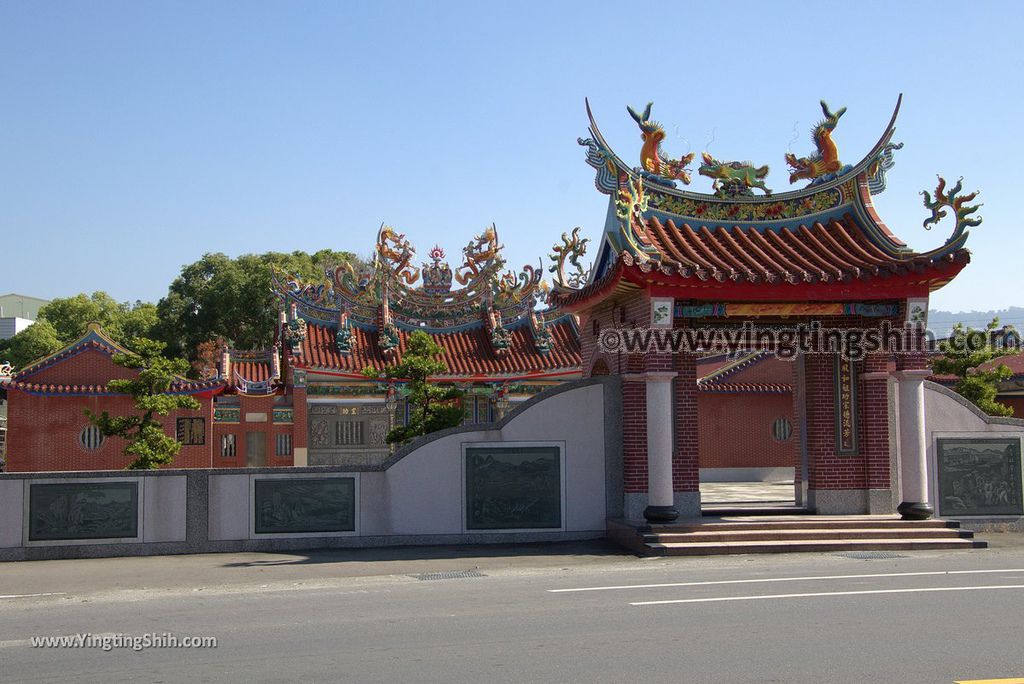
x=845, y=406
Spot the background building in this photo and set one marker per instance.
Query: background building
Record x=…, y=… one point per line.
x=17, y=312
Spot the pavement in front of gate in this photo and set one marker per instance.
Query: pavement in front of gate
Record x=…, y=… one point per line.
x=229, y=572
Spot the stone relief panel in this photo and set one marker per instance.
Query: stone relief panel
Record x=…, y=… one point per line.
x=306, y=505
x=318, y=432
x=980, y=476
x=87, y=510
x=513, y=488
x=348, y=428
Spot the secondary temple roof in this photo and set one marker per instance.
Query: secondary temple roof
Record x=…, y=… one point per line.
x=490, y=327
x=823, y=241
x=37, y=378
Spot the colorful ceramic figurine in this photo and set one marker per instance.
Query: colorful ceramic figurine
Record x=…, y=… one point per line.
x=652, y=156
x=733, y=179
x=826, y=161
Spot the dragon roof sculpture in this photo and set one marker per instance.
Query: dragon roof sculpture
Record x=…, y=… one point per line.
x=484, y=315
x=823, y=237
x=394, y=291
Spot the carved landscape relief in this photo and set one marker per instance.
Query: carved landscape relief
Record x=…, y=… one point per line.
x=88, y=510
x=980, y=477
x=513, y=488
x=304, y=505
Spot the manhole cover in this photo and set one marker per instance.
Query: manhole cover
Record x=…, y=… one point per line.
x=870, y=555
x=455, y=574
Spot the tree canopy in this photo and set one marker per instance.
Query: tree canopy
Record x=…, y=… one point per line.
x=214, y=298
x=148, y=444
x=218, y=296
x=66, y=319
x=962, y=354
x=432, y=407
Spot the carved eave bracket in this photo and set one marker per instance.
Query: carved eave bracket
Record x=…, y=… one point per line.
x=541, y=334
x=501, y=338
x=962, y=213
x=882, y=164
x=387, y=331
x=570, y=251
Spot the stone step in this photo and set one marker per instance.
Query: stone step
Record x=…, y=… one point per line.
x=881, y=544
x=758, y=509
x=805, y=534
x=803, y=523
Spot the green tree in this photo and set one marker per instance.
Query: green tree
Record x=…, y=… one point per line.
x=66, y=319
x=218, y=296
x=963, y=354
x=432, y=407
x=148, y=445
x=123, y=321
x=34, y=342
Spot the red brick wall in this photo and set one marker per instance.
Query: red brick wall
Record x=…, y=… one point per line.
x=260, y=406
x=686, y=459
x=766, y=370
x=90, y=367
x=631, y=312
x=301, y=418
x=736, y=431
x=44, y=434
x=874, y=419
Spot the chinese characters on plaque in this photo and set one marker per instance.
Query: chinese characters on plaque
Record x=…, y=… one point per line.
x=845, y=406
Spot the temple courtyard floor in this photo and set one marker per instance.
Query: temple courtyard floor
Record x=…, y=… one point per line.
x=557, y=612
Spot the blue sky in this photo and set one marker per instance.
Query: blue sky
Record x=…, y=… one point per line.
x=136, y=136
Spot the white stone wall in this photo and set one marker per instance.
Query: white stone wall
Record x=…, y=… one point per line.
x=948, y=415
x=424, y=489
x=419, y=497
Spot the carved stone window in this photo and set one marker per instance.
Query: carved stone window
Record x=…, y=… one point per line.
x=349, y=433
x=228, y=447
x=782, y=429
x=91, y=438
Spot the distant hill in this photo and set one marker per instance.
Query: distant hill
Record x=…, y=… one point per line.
x=942, y=322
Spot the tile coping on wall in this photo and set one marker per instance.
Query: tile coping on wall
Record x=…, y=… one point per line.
x=991, y=420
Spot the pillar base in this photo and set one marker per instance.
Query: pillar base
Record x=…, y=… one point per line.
x=660, y=514
x=915, y=510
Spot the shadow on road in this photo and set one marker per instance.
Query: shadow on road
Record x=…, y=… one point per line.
x=595, y=548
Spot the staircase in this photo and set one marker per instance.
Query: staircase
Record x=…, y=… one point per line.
x=786, y=534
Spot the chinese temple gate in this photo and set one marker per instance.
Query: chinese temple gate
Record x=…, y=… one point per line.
x=676, y=261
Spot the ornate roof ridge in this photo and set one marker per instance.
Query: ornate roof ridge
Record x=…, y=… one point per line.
x=730, y=369
x=604, y=150
x=418, y=294
x=178, y=387
x=837, y=195
x=94, y=338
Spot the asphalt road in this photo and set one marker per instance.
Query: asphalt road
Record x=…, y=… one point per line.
x=560, y=613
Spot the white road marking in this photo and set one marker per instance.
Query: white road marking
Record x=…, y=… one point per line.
x=784, y=579
x=51, y=593
x=828, y=593
x=15, y=642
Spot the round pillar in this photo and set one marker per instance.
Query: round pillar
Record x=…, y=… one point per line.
x=913, y=445
x=660, y=506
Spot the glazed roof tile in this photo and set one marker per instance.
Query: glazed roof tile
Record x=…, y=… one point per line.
x=467, y=352
x=817, y=253
x=214, y=385
x=822, y=242
x=744, y=388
